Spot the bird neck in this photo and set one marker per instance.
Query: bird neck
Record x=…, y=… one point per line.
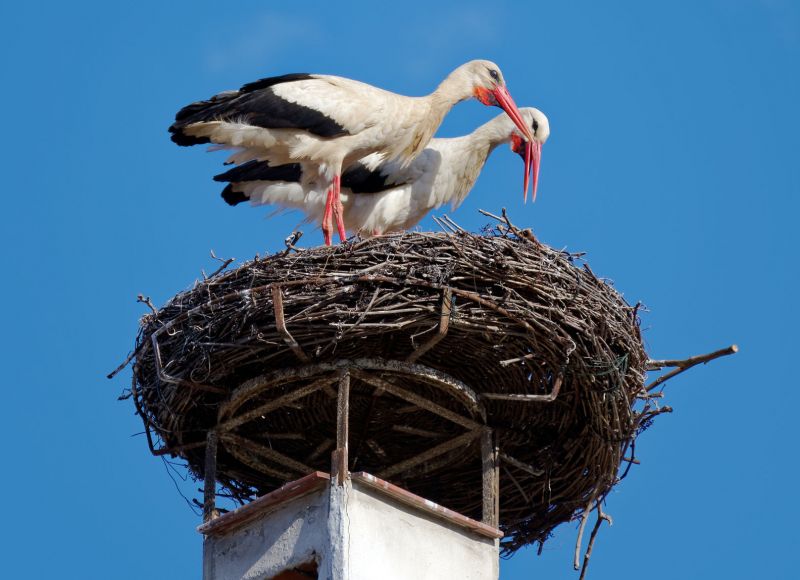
x=428, y=112
x=495, y=132
x=466, y=157
x=456, y=87
x=470, y=152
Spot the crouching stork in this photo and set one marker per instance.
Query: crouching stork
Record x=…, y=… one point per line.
x=392, y=196
x=328, y=123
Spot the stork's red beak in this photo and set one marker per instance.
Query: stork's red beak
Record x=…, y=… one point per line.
x=506, y=103
x=533, y=155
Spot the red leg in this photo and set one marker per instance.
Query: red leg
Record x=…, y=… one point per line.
x=326, y=218
x=338, y=208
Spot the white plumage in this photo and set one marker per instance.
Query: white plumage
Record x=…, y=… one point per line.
x=331, y=122
x=380, y=198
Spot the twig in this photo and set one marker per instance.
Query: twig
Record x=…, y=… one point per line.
x=225, y=264
x=146, y=300
x=631, y=461
x=490, y=214
x=661, y=411
x=124, y=363
x=446, y=218
x=584, y=516
x=291, y=240
x=506, y=219
x=445, y=227
x=600, y=517
x=526, y=234
x=448, y=225
x=654, y=365
x=686, y=364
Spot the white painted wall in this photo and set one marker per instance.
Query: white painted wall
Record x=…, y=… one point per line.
x=356, y=533
x=393, y=542
x=280, y=539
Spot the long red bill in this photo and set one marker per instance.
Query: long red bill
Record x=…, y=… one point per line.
x=507, y=104
x=525, y=180
x=533, y=155
x=536, y=157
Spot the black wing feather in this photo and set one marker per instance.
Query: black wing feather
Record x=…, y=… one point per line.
x=233, y=197
x=267, y=82
x=257, y=104
x=261, y=171
x=358, y=178
x=256, y=171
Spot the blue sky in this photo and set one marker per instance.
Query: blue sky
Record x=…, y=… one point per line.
x=673, y=162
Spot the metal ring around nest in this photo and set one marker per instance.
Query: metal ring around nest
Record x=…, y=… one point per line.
x=257, y=385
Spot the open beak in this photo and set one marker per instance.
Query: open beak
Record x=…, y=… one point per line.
x=532, y=156
x=506, y=103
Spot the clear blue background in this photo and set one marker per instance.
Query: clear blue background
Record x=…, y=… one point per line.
x=673, y=161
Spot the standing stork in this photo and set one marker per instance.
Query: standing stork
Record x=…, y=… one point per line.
x=331, y=122
x=392, y=196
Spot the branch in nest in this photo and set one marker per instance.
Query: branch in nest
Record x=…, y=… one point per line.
x=122, y=365
x=685, y=364
x=448, y=225
x=600, y=517
x=584, y=516
x=225, y=263
x=526, y=234
x=146, y=300
x=291, y=240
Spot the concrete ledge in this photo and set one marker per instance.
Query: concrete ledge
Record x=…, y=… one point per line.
x=247, y=513
x=407, y=498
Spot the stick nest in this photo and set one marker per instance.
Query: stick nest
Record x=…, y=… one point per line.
x=458, y=320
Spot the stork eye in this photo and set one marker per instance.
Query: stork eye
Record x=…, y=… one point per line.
x=495, y=75
x=535, y=125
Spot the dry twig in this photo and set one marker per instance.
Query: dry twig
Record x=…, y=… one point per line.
x=146, y=300
x=291, y=240
x=225, y=263
x=601, y=517
x=685, y=364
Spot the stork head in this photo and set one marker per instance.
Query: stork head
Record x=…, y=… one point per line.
x=489, y=87
x=531, y=150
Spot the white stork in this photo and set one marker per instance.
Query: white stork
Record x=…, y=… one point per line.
x=390, y=197
x=329, y=122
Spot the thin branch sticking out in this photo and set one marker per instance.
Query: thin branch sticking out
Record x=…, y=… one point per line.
x=225, y=263
x=685, y=364
x=146, y=300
